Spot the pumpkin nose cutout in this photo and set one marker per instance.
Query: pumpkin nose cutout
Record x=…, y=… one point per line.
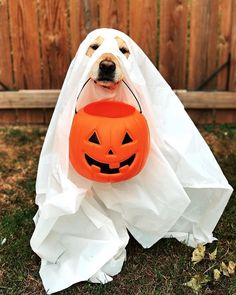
x=107, y=66
x=110, y=152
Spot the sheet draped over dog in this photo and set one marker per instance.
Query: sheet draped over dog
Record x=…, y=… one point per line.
x=81, y=226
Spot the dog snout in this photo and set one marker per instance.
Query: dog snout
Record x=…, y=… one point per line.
x=106, y=71
x=107, y=66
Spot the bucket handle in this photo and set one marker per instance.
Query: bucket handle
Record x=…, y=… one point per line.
x=138, y=102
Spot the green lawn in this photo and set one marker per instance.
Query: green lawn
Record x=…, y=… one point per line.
x=162, y=269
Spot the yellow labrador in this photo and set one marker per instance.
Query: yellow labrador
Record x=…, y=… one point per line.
x=106, y=71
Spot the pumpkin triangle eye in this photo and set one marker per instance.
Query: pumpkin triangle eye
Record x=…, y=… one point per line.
x=94, y=138
x=127, y=139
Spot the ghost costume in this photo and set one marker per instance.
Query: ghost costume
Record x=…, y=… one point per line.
x=81, y=225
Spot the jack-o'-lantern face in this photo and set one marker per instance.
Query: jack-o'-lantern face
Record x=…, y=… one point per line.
x=109, y=141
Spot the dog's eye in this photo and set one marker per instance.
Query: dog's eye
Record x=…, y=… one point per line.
x=94, y=46
x=124, y=50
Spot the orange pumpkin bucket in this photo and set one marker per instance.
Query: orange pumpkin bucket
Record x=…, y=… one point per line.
x=109, y=141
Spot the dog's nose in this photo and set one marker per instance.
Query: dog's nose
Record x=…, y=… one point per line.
x=107, y=66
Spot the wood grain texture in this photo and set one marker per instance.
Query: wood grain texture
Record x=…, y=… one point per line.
x=203, y=37
x=7, y=116
x=232, y=79
x=83, y=19
x=225, y=116
x=114, y=14
x=26, y=99
x=173, y=41
x=225, y=11
x=207, y=99
x=143, y=26
x=6, y=71
x=30, y=116
x=54, y=40
x=25, y=43
x=75, y=35
x=44, y=35
x=200, y=116
x=48, y=115
x=36, y=106
x=46, y=99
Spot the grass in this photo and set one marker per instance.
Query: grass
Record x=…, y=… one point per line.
x=160, y=270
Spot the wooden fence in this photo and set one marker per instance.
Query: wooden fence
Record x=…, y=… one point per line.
x=186, y=39
x=36, y=106
x=192, y=43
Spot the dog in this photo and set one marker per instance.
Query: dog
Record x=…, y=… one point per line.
x=107, y=71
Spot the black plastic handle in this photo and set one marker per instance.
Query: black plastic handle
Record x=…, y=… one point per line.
x=139, y=105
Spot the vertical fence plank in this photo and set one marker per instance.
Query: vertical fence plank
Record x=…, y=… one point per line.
x=225, y=8
x=201, y=116
x=140, y=19
x=47, y=116
x=75, y=34
x=114, y=14
x=6, y=72
x=203, y=37
x=143, y=26
x=225, y=116
x=83, y=19
x=54, y=40
x=30, y=116
x=25, y=44
x=173, y=37
x=7, y=116
x=232, y=81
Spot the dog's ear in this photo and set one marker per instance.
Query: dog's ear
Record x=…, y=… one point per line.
x=94, y=46
x=122, y=46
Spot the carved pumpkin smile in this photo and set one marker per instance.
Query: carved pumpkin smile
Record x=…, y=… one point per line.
x=105, y=168
x=109, y=141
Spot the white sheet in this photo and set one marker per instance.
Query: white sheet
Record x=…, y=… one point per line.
x=81, y=225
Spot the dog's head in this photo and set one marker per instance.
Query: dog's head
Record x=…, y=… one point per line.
x=106, y=71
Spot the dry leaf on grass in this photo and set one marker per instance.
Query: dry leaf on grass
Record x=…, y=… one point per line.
x=198, y=254
x=216, y=274
x=231, y=267
x=224, y=269
x=212, y=255
x=197, y=282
